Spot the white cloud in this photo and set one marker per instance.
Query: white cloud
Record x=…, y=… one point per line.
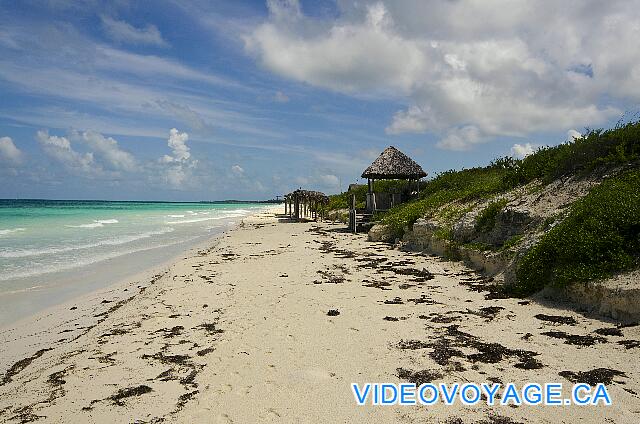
x=329, y=180
x=572, y=135
x=108, y=150
x=60, y=149
x=178, y=144
x=9, y=153
x=465, y=64
x=461, y=138
x=124, y=32
x=237, y=170
x=178, y=166
x=521, y=151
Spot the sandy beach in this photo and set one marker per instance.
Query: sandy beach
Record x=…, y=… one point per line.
x=274, y=320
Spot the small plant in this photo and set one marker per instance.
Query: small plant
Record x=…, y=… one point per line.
x=487, y=219
x=599, y=236
x=511, y=242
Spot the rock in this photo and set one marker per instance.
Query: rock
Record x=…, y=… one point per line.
x=382, y=233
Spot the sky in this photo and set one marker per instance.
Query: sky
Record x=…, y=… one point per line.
x=212, y=100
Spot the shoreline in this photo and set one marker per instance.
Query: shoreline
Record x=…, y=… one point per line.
x=60, y=317
x=274, y=321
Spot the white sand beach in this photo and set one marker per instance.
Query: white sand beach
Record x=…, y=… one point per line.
x=239, y=332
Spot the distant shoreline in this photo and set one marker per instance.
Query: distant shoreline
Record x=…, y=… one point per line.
x=230, y=201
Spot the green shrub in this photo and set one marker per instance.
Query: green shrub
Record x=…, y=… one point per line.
x=449, y=186
x=511, y=242
x=599, y=236
x=615, y=146
x=487, y=218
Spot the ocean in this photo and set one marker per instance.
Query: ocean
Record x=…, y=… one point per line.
x=52, y=251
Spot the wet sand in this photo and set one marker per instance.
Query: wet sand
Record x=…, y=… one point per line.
x=273, y=323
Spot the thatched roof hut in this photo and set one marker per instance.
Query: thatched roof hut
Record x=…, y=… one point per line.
x=300, y=204
x=393, y=164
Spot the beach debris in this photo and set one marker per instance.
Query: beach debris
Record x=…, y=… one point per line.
x=574, y=339
x=442, y=319
x=422, y=299
x=556, y=319
x=169, y=359
x=329, y=278
x=488, y=312
x=394, y=301
x=481, y=285
x=382, y=285
x=205, y=351
x=129, y=392
x=184, y=398
x=629, y=344
x=411, y=344
x=333, y=312
x=609, y=331
x=593, y=377
x=388, y=318
x=418, y=377
x=21, y=365
x=210, y=328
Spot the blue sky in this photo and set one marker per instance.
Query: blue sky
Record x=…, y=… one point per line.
x=209, y=100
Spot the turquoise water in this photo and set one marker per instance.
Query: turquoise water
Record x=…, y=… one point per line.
x=46, y=245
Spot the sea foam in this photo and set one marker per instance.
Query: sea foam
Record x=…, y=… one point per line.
x=23, y=253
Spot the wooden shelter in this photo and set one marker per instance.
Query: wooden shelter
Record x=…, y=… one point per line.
x=304, y=204
x=392, y=164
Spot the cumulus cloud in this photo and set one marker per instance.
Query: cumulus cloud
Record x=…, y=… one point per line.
x=60, y=149
x=123, y=32
x=178, y=144
x=179, y=165
x=108, y=150
x=9, y=153
x=521, y=151
x=237, y=170
x=467, y=70
x=461, y=138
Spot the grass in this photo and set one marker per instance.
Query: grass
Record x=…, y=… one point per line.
x=599, y=236
x=450, y=186
x=486, y=221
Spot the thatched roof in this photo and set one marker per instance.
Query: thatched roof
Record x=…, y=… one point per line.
x=393, y=164
x=307, y=195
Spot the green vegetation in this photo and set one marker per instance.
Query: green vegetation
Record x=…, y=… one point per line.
x=465, y=185
x=600, y=235
x=487, y=218
x=343, y=200
x=511, y=242
x=597, y=236
x=596, y=148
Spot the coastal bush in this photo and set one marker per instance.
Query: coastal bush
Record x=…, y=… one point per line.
x=599, y=236
x=615, y=146
x=449, y=186
x=487, y=218
x=343, y=200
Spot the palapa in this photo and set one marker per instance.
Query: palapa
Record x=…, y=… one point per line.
x=393, y=164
